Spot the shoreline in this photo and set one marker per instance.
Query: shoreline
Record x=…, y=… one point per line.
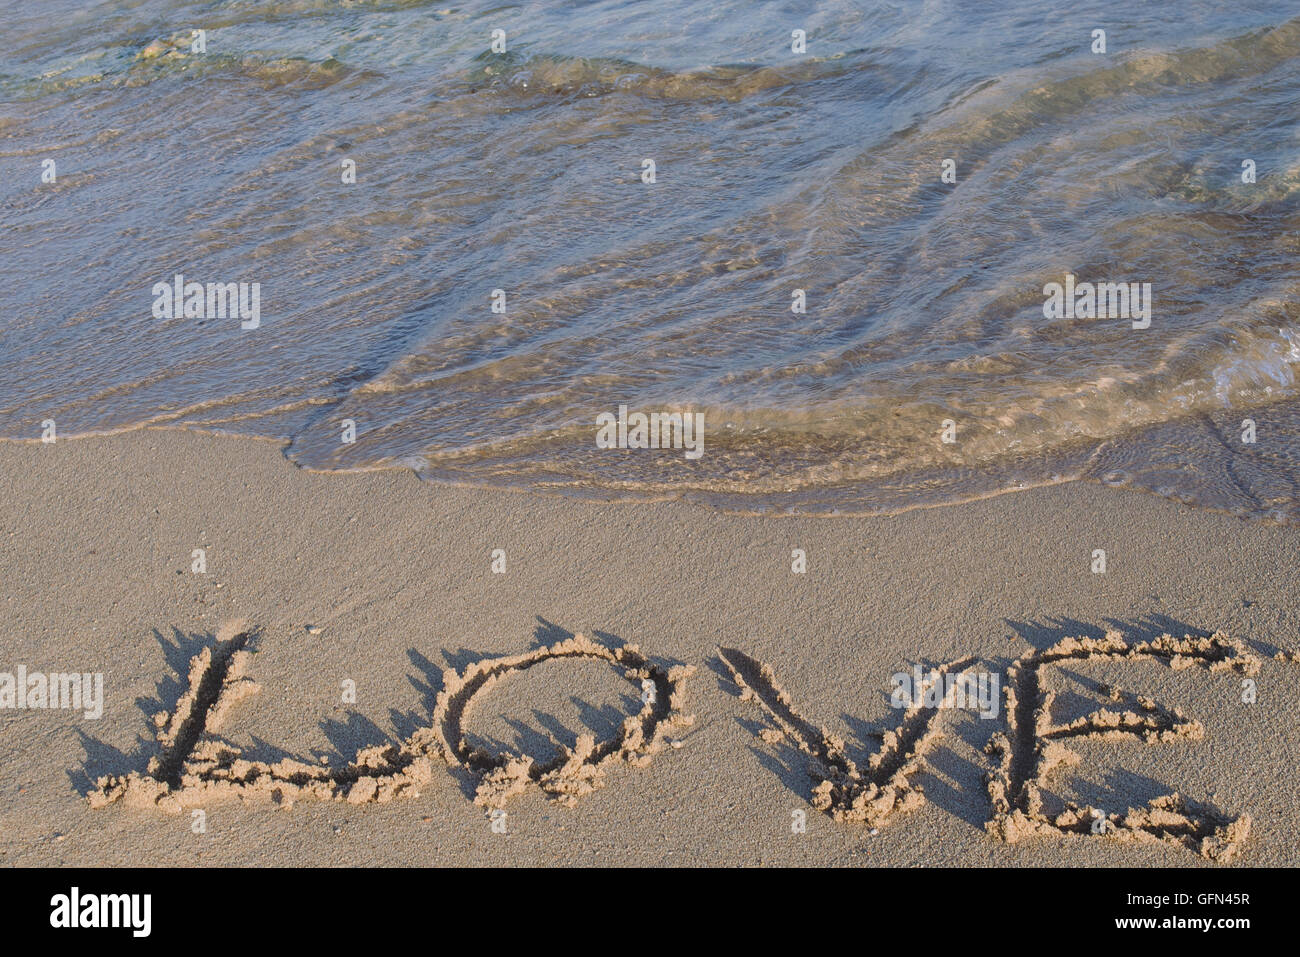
x=710, y=500
x=393, y=575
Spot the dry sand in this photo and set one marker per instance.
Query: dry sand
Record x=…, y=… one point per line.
x=1127, y=749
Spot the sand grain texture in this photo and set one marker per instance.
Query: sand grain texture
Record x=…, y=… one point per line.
x=383, y=581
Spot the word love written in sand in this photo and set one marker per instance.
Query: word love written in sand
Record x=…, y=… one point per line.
x=195, y=766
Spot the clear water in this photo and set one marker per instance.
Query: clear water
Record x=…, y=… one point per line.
x=775, y=171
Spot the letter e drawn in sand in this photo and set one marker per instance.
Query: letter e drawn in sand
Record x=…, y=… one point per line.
x=1034, y=746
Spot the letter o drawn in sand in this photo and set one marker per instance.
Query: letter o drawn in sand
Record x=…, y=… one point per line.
x=575, y=772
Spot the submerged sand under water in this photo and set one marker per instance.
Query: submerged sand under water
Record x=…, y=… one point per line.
x=522, y=172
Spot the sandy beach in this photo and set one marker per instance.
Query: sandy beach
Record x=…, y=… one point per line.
x=381, y=583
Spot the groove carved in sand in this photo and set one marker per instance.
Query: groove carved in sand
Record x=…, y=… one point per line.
x=845, y=791
x=195, y=767
x=1034, y=747
x=578, y=771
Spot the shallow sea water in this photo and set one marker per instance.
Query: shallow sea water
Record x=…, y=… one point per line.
x=774, y=171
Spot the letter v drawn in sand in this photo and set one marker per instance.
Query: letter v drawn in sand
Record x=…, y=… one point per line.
x=195, y=766
x=845, y=791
